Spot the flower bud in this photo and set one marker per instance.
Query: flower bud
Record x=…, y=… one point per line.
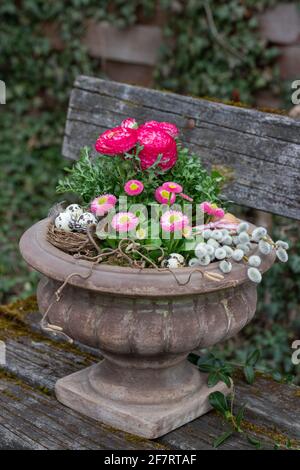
x=225, y=266
x=254, y=275
x=254, y=261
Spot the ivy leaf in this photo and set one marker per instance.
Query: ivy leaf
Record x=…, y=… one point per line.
x=221, y=439
x=249, y=374
x=253, y=358
x=277, y=376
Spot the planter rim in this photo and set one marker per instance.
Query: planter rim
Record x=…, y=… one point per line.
x=125, y=281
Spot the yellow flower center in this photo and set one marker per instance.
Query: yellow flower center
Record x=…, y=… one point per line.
x=141, y=233
x=102, y=200
x=172, y=185
x=124, y=219
x=133, y=186
x=165, y=194
x=186, y=231
x=214, y=206
x=174, y=218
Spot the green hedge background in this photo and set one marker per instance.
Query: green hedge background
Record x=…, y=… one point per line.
x=39, y=79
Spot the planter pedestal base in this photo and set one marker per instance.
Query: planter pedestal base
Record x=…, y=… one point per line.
x=125, y=400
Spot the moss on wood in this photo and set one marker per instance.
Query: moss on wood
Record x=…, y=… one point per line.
x=14, y=324
x=275, y=435
x=239, y=104
x=132, y=437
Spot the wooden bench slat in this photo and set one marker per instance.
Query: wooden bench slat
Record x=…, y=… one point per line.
x=262, y=151
x=37, y=421
x=37, y=363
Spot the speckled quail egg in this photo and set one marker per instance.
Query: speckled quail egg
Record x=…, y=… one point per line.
x=174, y=260
x=75, y=210
x=86, y=219
x=64, y=221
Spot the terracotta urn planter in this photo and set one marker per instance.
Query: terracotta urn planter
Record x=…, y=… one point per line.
x=145, y=323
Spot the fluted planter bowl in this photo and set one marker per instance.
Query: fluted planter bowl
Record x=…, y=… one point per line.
x=145, y=323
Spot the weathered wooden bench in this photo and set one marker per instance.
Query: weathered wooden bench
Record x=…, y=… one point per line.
x=262, y=153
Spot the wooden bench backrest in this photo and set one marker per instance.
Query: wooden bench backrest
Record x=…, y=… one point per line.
x=260, y=151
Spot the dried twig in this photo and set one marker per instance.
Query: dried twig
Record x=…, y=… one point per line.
x=218, y=37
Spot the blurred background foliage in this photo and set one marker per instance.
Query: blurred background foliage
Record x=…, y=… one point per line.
x=39, y=78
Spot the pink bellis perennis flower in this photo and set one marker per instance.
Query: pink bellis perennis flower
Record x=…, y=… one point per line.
x=133, y=187
x=167, y=127
x=101, y=205
x=156, y=143
x=172, y=221
x=176, y=188
x=116, y=141
x=163, y=196
x=212, y=209
x=124, y=222
x=129, y=123
x=172, y=187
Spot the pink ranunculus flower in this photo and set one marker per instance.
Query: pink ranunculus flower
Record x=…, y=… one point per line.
x=163, y=196
x=101, y=205
x=173, y=220
x=172, y=187
x=212, y=209
x=129, y=123
x=124, y=221
x=156, y=143
x=167, y=127
x=117, y=140
x=133, y=187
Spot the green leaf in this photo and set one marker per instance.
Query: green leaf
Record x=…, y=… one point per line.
x=288, y=444
x=224, y=377
x=206, y=363
x=253, y=358
x=213, y=379
x=193, y=358
x=221, y=439
x=249, y=374
x=277, y=376
x=219, y=402
x=253, y=441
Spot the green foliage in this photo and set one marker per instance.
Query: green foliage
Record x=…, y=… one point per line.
x=91, y=177
x=224, y=406
x=220, y=370
x=104, y=174
x=215, y=367
x=196, y=181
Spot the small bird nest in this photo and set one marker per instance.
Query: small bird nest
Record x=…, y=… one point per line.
x=71, y=242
